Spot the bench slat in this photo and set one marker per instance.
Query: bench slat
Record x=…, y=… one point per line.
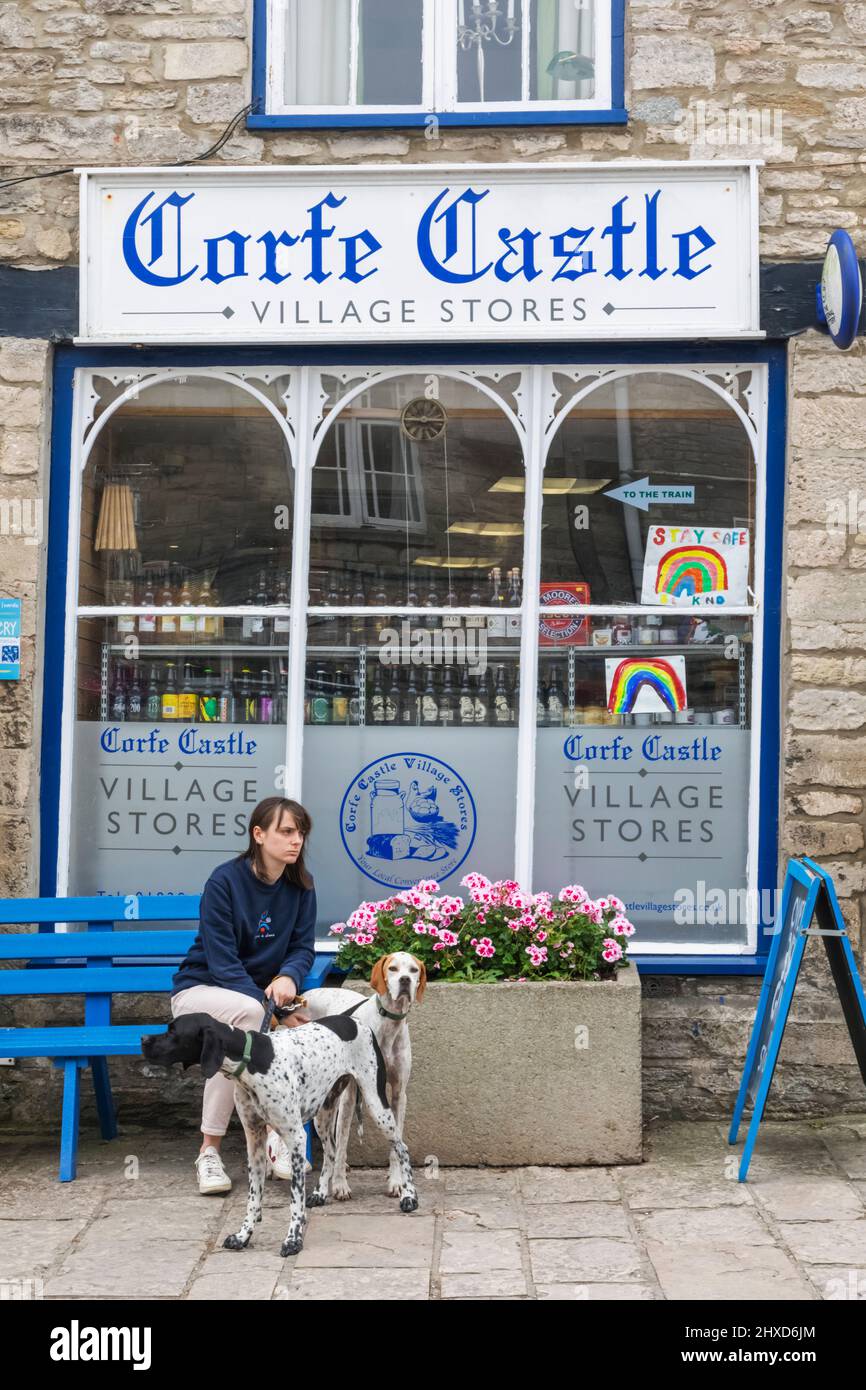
x=99, y=979
x=123, y=1040
x=181, y=908
x=38, y=945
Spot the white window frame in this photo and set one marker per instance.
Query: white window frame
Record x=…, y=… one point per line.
x=439, y=69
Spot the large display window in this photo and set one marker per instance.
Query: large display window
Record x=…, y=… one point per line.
x=509, y=618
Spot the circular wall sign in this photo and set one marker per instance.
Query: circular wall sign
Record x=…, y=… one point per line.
x=840, y=293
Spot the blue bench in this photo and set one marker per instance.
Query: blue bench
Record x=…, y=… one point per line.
x=97, y=963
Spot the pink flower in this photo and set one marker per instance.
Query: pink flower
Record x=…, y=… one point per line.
x=620, y=925
x=481, y=918
x=616, y=903
x=612, y=949
x=541, y=936
x=398, y=921
x=526, y=919
x=537, y=954
x=427, y=885
x=484, y=947
x=338, y=928
x=362, y=939
x=574, y=893
x=439, y=946
x=420, y=929
x=448, y=938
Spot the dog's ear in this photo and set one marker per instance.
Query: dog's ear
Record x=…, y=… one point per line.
x=422, y=981
x=213, y=1050
x=377, y=978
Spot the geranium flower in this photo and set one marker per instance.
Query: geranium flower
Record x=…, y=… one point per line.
x=485, y=947
x=427, y=885
x=447, y=938
x=480, y=917
x=338, y=928
x=612, y=950
x=621, y=926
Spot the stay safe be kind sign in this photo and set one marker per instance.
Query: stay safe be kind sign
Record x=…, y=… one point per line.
x=417, y=253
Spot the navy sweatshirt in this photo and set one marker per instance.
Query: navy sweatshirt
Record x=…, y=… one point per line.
x=249, y=931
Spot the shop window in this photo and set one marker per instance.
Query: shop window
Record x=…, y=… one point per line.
x=396, y=61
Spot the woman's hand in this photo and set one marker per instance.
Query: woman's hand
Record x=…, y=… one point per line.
x=282, y=990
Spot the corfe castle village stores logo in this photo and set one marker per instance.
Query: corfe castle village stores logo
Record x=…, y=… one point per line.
x=404, y=812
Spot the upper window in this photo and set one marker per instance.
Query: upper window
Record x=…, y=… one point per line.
x=380, y=62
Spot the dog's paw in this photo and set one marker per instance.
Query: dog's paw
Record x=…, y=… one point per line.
x=316, y=1199
x=341, y=1192
x=409, y=1204
x=394, y=1189
x=291, y=1247
x=236, y=1243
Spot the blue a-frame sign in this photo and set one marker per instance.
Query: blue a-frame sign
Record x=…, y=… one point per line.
x=808, y=894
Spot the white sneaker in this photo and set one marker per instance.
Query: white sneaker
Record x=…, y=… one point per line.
x=212, y=1176
x=280, y=1158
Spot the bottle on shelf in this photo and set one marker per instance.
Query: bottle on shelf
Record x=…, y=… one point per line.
x=134, y=698
x=170, y=705
x=475, y=600
x=503, y=714
x=320, y=704
x=411, y=703
x=281, y=598
x=482, y=702
x=259, y=629
x=429, y=701
x=446, y=700
x=412, y=595
x=340, y=699
x=246, y=698
x=393, y=699
x=208, y=700
x=432, y=600
x=452, y=599
x=117, y=708
x=228, y=705
x=266, y=709
x=514, y=594
x=541, y=703
x=354, y=694
x=466, y=702
x=147, y=621
x=380, y=600
x=153, y=702
x=555, y=699
x=167, y=621
x=186, y=622
x=495, y=596
x=126, y=623
x=359, y=600
x=205, y=624
x=377, y=697
x=333, y=601
x=247, y=633
x=187, y=702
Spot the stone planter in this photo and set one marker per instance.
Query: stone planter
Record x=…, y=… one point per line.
x=503, y=1074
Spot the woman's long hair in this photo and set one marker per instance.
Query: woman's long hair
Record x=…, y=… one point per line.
x=264, y=815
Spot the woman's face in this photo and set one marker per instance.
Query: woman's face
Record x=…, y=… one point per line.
x=282, y=839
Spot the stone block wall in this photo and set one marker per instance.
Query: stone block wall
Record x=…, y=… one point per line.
x=133, y=82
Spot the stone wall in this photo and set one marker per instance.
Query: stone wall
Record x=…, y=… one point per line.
x=133, y=82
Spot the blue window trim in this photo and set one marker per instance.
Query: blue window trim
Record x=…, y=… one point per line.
x=67, y=359
x=260, y=119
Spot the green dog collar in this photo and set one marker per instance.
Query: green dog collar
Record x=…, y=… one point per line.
x=245, y=1059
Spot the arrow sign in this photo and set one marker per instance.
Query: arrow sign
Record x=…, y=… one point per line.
x=640, y=494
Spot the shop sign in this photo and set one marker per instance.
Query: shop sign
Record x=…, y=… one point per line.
x=10, y=639
x=416, y=253
x=840, y=290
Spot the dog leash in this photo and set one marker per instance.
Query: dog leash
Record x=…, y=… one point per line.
x=280, y=1011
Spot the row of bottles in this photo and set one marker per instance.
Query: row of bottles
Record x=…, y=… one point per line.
x=160, y=694
x=413, y=697
x=447, y=591
x=156, y=628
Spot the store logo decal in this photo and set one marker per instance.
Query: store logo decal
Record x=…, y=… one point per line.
x=402, y=813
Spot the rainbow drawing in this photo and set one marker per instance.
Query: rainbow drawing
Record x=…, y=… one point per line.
x=646, y=684
x=691, y=569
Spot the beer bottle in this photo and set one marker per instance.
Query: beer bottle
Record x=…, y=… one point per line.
x=147, y=621
x=555, y=700
x=170, y=707
x=377, y=697
x=153, y=708
x=433, y=600
x=187, y=622
x=205, y=625
x=168, y=621
x=482, y=703
x=228, y=713
x=393, y=703
x=265, y=699
x=320, y=704
x=446, y=700
x=134, y=701
x=541, y=703
x=429, y=702
x=260, y=631
x=411, y=703
x=126, y=621
x=118, y=695
x=187, y=703
x=380, y=600
x=246, y=698
x=208, y=703
x=466, y=708
x=340, y=700
x=475, y=594
x=281, y=624
x=502, y=711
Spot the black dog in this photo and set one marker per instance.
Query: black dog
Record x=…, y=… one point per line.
x=284, y=1079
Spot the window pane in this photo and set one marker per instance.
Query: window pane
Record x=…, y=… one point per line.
x=677, y=434
x=555, y=38
x=409, y=756
x=174, y=745
x=642, y=767
x=330, y=62
x=187, y=499
x=418, y=500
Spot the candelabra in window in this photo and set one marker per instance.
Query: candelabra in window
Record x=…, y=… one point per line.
x=483, y=27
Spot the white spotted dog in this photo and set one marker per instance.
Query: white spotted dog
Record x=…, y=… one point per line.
x=282, y=1080
x=399, y=980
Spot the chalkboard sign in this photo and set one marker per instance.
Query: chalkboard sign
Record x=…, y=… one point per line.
x=808, y=895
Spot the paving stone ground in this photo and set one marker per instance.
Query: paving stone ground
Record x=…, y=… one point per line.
x=678, y=1226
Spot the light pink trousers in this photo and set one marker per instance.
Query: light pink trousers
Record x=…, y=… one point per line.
x=228, y=1006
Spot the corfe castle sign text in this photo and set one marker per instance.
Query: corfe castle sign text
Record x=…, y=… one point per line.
x=403, y=253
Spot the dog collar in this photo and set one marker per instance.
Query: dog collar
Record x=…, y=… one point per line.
x=244, y=1062
x=386, y=1013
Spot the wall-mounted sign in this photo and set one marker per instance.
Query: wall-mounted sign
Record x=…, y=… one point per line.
x=563, y=629
x=690, y=565
x=642, y=492
x=646, y=685
x=419, y=252
x=10, y=639
x=840, y=291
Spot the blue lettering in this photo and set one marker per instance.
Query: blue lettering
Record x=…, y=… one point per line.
x=686, y=256
x=527, y=266
x=568, y=254
x=651, y=269
x=618, y=231
x=270, y=243
x=157, y=240
x=450, y=217
x=353, y=260
x=316, y=234
x=237, y=244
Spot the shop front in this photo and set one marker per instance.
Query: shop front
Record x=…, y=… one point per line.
x=448, y=501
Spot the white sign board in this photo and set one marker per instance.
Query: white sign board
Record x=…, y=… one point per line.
x=419, y=253
x=687, y=566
